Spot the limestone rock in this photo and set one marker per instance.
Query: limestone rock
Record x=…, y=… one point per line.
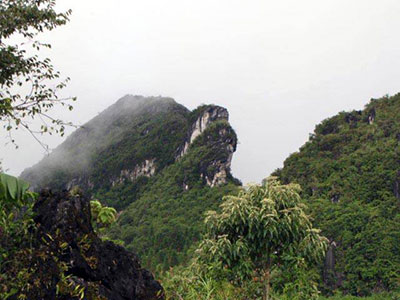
x=211, y=114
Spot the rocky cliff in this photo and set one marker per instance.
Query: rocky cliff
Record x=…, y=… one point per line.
x=68, y=254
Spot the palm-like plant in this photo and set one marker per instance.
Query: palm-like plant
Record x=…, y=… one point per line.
x=103, y=216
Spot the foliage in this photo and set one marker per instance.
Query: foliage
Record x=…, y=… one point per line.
x=349, y=171
x=103, y=216
x=378, y=296
x=198, y=281
x=164, y=222
x=205, y=282
x=16, y=238
x=28, y=84
x=15, y=213
x=261, y=229
x=30, y=260
x=15, y=225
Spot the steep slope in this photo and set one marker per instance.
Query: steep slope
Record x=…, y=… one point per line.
x=157, y=162
x=350, y=173
x=167, y=218
x=126, y=136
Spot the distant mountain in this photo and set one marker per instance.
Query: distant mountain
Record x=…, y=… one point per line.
x=157, y=162
x=350, y=174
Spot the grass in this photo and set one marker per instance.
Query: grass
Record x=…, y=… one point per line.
x=383, y=296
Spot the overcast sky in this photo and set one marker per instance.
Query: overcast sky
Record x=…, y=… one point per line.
x=280, y=67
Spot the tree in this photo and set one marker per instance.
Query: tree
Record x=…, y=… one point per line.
x=265, y=226
x=29, y=85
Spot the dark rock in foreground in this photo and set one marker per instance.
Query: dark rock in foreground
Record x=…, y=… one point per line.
x=103, y=267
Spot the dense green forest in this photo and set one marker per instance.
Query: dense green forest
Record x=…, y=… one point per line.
x=166, y=220
x=350, y=174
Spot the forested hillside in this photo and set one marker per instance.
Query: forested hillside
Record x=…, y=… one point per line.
x=167, y=218
x=159, y=164
x=163, y=166
x=349, y=171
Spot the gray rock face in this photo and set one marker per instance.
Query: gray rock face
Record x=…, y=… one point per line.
x=222, y=167
x=371, y=116
x=147, y=169
x=216, y=172
x=211, y=114
x=330, y=276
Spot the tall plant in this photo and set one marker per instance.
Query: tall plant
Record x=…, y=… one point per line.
x=265, y=226
x=14, y=195
x=16, y=221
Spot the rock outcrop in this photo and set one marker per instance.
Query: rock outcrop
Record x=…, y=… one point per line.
x=103, y=268
x=329, y=274
x=211, y=114
x=147, y=169
x=214, y=172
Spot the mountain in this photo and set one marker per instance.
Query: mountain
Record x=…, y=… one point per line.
x=120, y=138
x=350, y=174
x=161, y=165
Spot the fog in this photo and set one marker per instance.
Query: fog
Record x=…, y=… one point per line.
x=279, y=67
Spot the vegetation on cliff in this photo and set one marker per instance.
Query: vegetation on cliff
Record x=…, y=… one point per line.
x=49, y=250
x=165, y=221
x=349, y=172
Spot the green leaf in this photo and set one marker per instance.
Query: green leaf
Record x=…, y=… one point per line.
x=12, y=188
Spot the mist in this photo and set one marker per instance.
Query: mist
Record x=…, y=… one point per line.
x=278, y=67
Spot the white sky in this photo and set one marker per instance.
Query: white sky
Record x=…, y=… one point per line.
x=280, y=67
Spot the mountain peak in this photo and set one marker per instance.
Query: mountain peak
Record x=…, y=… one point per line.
x=136, y=136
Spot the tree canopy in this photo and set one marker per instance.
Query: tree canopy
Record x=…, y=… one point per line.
x=264, y=227
x=29, y=85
